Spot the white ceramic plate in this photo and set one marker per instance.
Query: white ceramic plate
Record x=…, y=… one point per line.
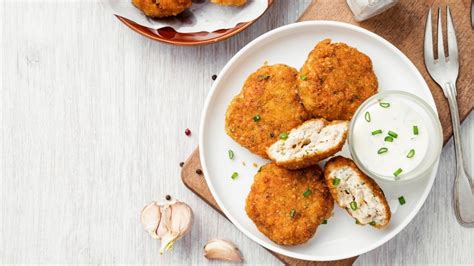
x=341, y=237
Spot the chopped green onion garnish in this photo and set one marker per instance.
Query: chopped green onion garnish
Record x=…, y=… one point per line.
x=372, y=223
x=384, y=105
x=259, y=169
x=375, y=132
x=234, y=175
x=388, y=139
x=357, y=222
x=398, y=172
x=392, y=134
x=307, y=192
x=401, y=199
x=231, y=154
x=263, y=77
x=336, y=181
x=284, y=135
x=353, y=205
x=303, y=77
x=367, y=116
x=415, y=130
x=256, y=118
x=411, y=153
x=292, y=213
x=324, y=222
x=382, y=150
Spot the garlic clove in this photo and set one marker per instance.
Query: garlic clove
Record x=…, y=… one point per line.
x=163, y=227
x=181, y=220
x=168, y=221
x=222, y=250
x=150, y=218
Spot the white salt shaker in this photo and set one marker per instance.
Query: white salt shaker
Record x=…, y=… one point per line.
x=364, y=9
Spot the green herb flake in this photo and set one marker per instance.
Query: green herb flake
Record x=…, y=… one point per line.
x=357, y=222
x=353, y=205
x=382, y=150
x=324, y=222
x=283, y=135
x=411, y=153
x=415, y=130
x=367, y=116
x=388, y=139
x=307, y=192
x=401, y=199
x=376, y=132
x=234, y=175
x=259, y=169
x=231, y=154
x=336, y=181
x=292, y=213
x=398, y=172
x=384, y=104
x=392, y=134
x=372, y=223
x=303, y=77
x=256, y=118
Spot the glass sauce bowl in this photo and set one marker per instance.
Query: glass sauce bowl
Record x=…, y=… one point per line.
x=431, y=124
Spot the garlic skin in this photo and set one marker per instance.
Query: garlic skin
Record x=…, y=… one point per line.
x=150, y=218
x=168, y=221
x=220, y=249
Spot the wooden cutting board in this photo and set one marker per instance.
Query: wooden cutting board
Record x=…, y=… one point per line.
x=403, y=26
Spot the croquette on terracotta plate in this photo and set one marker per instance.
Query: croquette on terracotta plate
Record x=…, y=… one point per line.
x=162, y=8
x=229, y=2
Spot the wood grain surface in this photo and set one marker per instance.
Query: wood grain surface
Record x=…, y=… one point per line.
x=92, y=119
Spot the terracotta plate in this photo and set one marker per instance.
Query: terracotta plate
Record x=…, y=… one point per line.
x=169, y=35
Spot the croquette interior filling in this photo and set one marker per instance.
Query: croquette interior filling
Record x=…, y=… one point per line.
x=367, y=207
x=310, y=138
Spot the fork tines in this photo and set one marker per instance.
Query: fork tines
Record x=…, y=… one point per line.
x=441, y=63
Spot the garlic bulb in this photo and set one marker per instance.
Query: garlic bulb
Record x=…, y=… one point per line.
x=167, y=221
x=222, y=250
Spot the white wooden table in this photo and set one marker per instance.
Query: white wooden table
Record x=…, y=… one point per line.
x=92, y=121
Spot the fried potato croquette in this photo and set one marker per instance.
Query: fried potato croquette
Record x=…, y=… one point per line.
x=288, y=206
x=162, y=8
x=354, y=191
x=267, y=106
x=229, y=2
x=309, y=143
x=335, y=80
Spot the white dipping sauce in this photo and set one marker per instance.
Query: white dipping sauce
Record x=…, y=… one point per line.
x=400, y=117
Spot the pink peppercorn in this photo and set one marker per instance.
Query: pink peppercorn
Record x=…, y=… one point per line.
x=187, y=132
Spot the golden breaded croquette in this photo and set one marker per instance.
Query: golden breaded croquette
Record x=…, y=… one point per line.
x=267, y=106
x=335, y=80
x=357, y=193
x=288, y=206
x=162, y=8
x=229, y=2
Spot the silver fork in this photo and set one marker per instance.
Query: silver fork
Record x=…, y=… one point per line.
x=444, y=70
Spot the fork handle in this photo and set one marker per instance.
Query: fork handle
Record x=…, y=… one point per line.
x=450, y=90
x=463, y=185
